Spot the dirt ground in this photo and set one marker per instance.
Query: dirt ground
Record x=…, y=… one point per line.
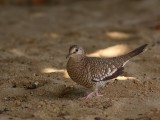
x=34, y=41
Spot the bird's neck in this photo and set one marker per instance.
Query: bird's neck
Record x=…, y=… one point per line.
x=77, y=58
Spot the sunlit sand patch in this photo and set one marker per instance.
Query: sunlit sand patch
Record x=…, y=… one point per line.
x=66, y=74
x=52, y=70
x=126, y=78
x=17, y=52
x=113, y=51
x=53, y=34
x=38, y=14
x=118, y=35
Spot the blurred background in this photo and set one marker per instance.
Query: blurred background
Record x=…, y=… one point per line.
x=36, y=2
x=35, y=36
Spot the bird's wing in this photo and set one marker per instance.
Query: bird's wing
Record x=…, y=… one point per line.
x=104, y=70
x=108, y=76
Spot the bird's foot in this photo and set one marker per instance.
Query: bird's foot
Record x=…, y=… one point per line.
x=98, y=94
x=93, y=94
x=90, y=95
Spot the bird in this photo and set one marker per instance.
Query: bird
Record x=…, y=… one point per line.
x=95, y=72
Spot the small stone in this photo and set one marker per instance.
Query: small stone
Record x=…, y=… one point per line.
x=5, y=98
x=97, y=118
x=14, y=85
x=154, y=78
x=5, y=109
x=18, y=103
x=1, y=111
x=33, y=86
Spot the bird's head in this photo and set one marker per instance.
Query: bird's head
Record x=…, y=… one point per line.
x=75, y=50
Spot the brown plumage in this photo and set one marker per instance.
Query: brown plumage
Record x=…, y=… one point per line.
x=94, y=72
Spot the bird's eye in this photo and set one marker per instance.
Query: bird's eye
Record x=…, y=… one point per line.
x=76, y=50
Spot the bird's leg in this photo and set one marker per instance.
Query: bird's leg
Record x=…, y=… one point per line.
x=90, y=95
x=97, y=93
x=94, y=93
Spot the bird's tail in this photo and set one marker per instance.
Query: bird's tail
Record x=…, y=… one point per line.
x=135, y=52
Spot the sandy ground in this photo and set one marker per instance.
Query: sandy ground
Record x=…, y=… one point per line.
x=33, y=45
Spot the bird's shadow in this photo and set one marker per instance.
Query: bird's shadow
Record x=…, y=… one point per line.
x=74, y=92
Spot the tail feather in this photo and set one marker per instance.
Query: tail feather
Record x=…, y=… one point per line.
x=135, y=52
